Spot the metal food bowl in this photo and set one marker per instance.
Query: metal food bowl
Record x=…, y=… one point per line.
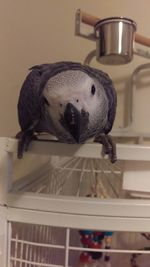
x=115, y=38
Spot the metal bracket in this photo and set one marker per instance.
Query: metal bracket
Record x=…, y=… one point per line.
x=80, y=32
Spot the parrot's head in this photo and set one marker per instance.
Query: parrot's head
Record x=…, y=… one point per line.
x=73, y=101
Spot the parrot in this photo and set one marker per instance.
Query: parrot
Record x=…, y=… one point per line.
x=69, y=100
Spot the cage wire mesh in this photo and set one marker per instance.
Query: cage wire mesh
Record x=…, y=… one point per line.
x=50, y=246
x=46, y=246
x=74, y=176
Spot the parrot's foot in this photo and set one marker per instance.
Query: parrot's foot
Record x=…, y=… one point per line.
x=24, y=139
x=108, y=145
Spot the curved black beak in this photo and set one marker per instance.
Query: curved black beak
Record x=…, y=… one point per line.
x=72, y=118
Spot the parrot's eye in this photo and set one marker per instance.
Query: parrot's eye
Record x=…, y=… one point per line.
x=93, y=90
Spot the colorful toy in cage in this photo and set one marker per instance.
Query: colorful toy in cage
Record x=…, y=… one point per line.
x=85, y=259
x=94, y=240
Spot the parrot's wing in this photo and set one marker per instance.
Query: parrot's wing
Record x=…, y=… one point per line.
x=112, y=102
x=30, y=107
x=30, y=100
x=28, y=104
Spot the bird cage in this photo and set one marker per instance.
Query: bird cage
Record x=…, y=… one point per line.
x=58, y=192
x=66, y=205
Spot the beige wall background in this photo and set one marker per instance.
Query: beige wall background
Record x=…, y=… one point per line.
x=40, y=31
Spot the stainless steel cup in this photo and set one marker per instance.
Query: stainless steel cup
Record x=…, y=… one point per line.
x=115, y=38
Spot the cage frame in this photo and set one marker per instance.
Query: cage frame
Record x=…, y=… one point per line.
x=109, y=213
x=68, y=212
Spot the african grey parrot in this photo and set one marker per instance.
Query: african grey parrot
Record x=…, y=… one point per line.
x=69, y=100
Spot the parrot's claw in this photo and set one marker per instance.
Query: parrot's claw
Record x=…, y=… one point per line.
x=109, y=147
x=24, y=139
x=113, y=155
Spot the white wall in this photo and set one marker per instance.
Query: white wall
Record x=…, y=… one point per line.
x=40, y=31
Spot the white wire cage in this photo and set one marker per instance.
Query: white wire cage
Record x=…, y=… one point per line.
x=49, y=198
x=78, y=171
x=78, y=177
x=46, y=246
x=58, y=189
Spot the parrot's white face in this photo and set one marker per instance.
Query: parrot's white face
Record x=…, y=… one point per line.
x=77, y=88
